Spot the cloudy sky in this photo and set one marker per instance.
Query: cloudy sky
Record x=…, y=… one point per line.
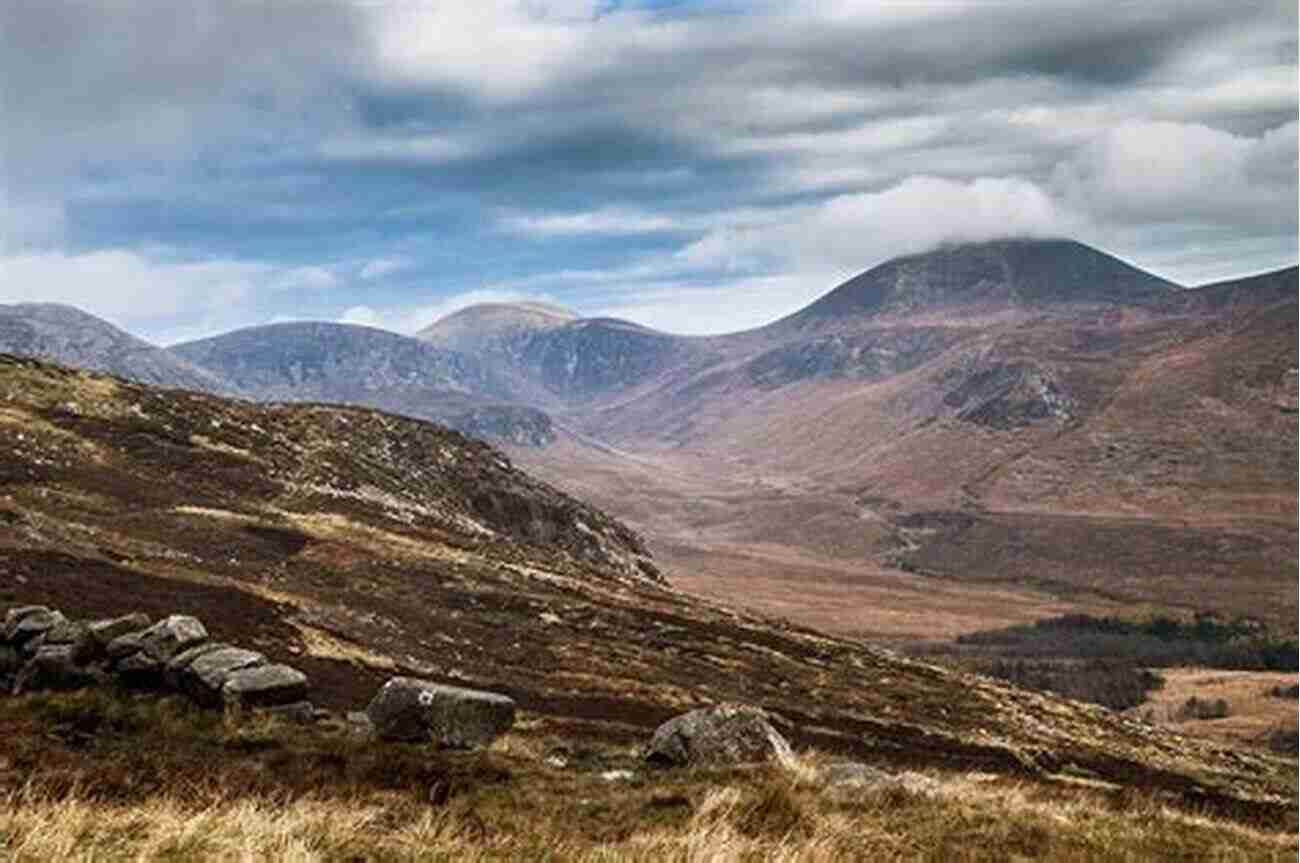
x=186, y=168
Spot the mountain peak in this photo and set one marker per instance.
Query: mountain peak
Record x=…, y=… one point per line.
x=996, y=273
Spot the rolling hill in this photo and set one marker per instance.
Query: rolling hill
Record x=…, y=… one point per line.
x=358, y=544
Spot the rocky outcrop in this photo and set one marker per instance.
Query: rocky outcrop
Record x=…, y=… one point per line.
x=41, y=649
x=724, y=734
x=415, y=710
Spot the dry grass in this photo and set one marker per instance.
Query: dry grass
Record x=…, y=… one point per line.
x=1252, y=712
x=205, y=789
x=765, y=818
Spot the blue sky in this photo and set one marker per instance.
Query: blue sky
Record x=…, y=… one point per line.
x=183, y=169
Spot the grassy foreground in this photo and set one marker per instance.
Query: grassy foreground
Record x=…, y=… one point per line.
x=95, y=776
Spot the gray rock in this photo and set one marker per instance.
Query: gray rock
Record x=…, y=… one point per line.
x=415, y=710
x=24, y=624
x=124, y=645
x=53, y=667
x=171, y=635
x=847, y=779
x=205, y=677
x=264, y=686
x=175, y=668
x=718, y=735
x=105, y=630
x=357, y=724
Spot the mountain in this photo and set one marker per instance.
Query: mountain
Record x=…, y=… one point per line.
x=1031, y=418
x=327, y=362
x=357, y=545
x=488, y=327
x=67, y=335
x=554, y=358
x=1033, y=274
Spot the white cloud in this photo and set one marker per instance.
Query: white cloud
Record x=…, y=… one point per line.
x=608, y=220
x=1179, y=172
x=852, y=232
x=701, y=309
x=380, y=267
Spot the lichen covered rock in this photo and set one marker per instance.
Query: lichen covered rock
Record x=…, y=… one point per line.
x=451, y=716
x=725, y=734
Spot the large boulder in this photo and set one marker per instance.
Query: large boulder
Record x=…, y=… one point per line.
x=174, y=669
x=724, y=734
x=451, y=716
x=264, y=686
x=204, y=677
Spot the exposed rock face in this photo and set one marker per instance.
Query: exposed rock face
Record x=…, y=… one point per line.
x=105, y=631
x=54, y=667
x=722, y=734
x=414, y=710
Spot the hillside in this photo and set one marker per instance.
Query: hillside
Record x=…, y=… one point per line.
x=63, y=334
x=325, y=362
x=357, y=544
x=1074, y=442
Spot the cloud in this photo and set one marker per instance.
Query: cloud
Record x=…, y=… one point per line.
x=154, y=294
x=608, y=220
x=1170, y=172
x=854, y=231
x=381, y=267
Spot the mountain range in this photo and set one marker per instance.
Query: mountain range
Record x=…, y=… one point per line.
x=1029, y=416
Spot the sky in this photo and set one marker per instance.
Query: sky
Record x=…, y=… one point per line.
x=182, y=169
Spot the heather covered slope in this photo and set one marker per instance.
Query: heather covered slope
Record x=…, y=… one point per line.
x=355, y=544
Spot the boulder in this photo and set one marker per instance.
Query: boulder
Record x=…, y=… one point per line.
x=107, y=629
x=415, y=710
x=171, y=635
x=204, y=678
x=264, y=686
x=29, y=622
x=53, y=667
x=724, y=734
x=174, y=669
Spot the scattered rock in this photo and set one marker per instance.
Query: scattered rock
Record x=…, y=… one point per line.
x=415, y=710
x=264, y=686
x=722, y=734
